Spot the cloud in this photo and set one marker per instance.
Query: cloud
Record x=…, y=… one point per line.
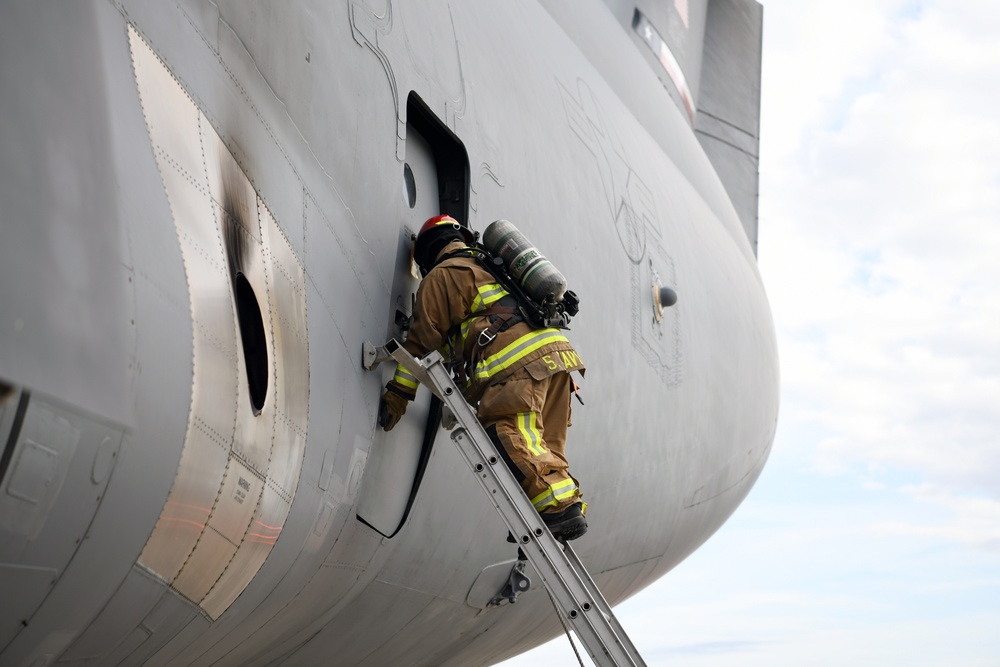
x=713, y=648
x=807, y=63
x=880, y=238
x=811, y=578
x=971, y=521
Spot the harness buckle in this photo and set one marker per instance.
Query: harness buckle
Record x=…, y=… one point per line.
x=486, y=336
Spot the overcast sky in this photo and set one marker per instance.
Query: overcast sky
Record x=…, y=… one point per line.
x=873, y=535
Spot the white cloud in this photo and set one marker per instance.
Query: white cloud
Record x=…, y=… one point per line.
x=812, y=51
x=972, y=521
x=880, y=235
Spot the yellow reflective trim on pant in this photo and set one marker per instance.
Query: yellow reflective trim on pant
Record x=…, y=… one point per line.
x=404, y=378
x=527, y=424
x=551, y=496
x=516, y=351
x=565, y=489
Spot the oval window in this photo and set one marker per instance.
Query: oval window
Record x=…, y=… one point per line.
x=254, y=341
x=409, y=186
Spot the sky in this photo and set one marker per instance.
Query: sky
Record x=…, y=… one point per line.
x=873, y=535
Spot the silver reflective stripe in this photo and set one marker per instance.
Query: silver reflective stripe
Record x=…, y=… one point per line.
x=522, y=346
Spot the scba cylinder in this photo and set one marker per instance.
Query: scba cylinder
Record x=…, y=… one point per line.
x=536, y=275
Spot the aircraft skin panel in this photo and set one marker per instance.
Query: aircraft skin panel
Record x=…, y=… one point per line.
x=728, y=120
x=633, y=77
x=83, y=337
x=717, y=44
x=675, y=51
x=84, y=145
x=708, y=57
x=276, y=150
x=136, y=597
x=226, y=510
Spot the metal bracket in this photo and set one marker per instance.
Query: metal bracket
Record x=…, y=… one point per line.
x=372, y=355
x=448, y=418
x=516, y=584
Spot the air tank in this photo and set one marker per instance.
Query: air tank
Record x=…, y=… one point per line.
x=533, y=272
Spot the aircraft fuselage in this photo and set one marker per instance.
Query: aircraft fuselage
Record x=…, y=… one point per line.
x=207, y=209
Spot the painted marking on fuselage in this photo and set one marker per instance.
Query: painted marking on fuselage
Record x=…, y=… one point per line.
x=632, y=207
x=630, y=202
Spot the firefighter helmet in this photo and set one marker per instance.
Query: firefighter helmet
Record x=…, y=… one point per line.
x=434, y=235
x=445, y=222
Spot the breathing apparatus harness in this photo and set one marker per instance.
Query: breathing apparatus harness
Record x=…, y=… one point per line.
x=553, y=310
x=517, y=305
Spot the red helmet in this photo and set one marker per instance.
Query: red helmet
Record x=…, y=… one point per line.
x=433, y=236
x=439, y=220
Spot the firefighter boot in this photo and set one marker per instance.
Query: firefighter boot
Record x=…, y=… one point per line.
x=568, y=524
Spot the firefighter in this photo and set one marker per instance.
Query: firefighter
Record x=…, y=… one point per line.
x=518, y=376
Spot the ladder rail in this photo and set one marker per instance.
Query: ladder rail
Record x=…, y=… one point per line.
x=573, y=588
x=560, y=569
x=602, y=603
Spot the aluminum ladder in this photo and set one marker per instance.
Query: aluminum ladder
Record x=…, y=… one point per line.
x=567, y=580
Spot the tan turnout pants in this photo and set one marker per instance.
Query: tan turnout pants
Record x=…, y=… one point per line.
x=528, y=419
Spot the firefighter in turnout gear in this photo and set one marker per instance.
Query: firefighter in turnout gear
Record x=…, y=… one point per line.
x=518, y=376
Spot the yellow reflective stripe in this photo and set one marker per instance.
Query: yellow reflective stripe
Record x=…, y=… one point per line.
x=517, y=350
x=488, y=294
x=463, y=331
x=527, y=424
x=564, y=490
x=543, y=500
x=404, y=378
x=552, y=495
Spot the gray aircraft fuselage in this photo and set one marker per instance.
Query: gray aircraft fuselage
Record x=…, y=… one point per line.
x=207, y=209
